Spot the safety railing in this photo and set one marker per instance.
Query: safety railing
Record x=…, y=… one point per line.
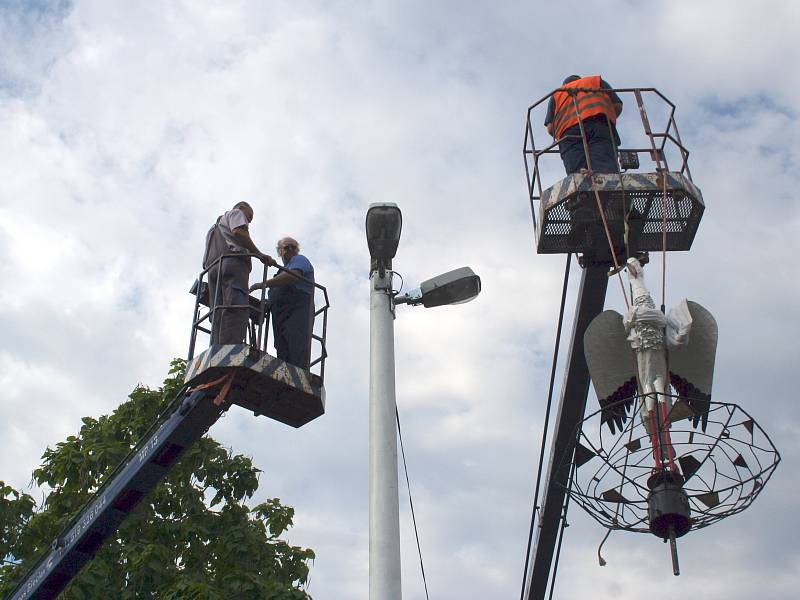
x=662, y=143
x=257, y=332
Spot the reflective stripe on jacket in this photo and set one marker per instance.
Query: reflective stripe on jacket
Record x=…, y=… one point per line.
x=590, y=104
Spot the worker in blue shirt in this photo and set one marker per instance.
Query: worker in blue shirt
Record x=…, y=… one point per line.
x=292, y=304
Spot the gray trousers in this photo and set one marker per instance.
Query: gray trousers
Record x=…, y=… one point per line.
x=228, y=292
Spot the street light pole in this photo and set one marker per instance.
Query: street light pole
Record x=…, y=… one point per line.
x=384, y=223
x=384, y=509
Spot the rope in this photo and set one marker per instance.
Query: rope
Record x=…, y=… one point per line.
x=411, y=502
x=546, y=424
x=625, y=211
x=657, y=157
x=617, y=268
x=600, y=209
x=664, y=240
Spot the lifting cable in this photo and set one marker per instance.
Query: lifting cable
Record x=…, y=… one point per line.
x=657, y=155
x=664, y=240
x=601, y=210
x=625, y=211
x=410, y=501
x=546, y=424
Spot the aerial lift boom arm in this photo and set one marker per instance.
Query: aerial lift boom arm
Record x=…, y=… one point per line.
x=112, y=503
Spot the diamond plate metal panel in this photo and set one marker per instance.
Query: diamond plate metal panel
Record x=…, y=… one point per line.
x=570, y=220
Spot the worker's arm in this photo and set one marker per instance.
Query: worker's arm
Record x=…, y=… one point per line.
x=548, y=119
x=615, y=99
x=245, y=240
x=283, y=278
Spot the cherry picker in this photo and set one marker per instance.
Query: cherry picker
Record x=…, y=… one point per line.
x=242, y=374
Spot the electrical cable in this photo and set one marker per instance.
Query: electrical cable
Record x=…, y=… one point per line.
x=402, y=283
x=411, y=502
x=546, y=423
x=561, y=534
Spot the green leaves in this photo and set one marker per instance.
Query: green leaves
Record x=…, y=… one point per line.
x=192, y=537
x=16, y=510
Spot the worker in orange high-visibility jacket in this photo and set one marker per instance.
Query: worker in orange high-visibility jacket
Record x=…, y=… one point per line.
x=598, y=110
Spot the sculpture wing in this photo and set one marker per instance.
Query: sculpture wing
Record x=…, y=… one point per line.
x=612, y=366
x=691, y=366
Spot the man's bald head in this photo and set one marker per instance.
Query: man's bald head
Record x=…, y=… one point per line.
x=246, y=209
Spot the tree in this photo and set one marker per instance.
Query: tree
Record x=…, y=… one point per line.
x=192, y=537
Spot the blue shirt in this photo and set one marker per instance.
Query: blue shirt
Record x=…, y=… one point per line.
x=302, y=264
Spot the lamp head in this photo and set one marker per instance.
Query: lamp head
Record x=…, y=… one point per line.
x=454, y=287
x=383, y=225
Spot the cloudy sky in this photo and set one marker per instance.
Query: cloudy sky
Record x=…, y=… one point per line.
x=127, y=127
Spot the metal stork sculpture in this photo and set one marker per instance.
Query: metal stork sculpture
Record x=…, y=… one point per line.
x=639, y=355
x=621, y=349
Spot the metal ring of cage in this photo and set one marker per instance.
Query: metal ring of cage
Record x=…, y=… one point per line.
x=724, y=467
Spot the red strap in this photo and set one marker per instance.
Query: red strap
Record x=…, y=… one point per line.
x=226, y=380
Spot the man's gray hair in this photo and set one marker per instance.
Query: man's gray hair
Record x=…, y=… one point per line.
x=287, y=238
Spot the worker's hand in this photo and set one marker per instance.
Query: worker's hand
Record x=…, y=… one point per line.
x=257, y=286
x=268, y=260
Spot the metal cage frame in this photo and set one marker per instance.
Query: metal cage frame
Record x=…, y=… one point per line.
x=260, y=311
x=566, y=212
x=731, y=462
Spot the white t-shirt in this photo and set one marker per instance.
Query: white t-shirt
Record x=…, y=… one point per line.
x=230, y=221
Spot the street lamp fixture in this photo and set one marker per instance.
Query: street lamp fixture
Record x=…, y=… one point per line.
x=384, y=223
x=454, y=287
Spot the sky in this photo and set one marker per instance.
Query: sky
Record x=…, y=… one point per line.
x=129, y=127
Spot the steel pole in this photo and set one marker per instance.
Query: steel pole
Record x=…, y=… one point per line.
x=384, y=509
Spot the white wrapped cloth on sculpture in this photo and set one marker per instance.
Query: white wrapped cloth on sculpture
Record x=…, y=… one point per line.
x=677, y=349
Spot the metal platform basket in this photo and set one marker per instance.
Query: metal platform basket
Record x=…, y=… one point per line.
x=263, y=384
x=723, y=468
x=565, y=216
x=569, y=220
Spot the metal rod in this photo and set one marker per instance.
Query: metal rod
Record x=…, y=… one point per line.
x=384, y=509
x=530, y=178
x=261, y=315
x=196, y=314
x=673, y=550
x=657, y=154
